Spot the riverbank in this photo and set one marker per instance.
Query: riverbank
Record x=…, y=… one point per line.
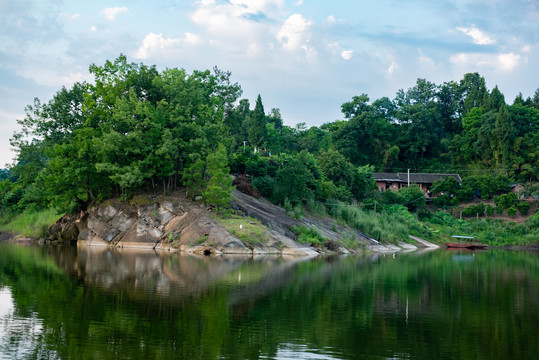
x=252, y=226
x=29, y=224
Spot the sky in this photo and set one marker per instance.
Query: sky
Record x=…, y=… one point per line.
x=305, y=57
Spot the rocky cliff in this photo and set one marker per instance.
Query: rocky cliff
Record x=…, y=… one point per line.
x=174, y=223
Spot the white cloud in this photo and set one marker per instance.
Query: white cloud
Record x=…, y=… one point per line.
x=73, y=77
x=425, y=59
x=392, y=67
x=526, y=48
x=337, y=50
x=500, y=62
x=390, y=61
x=93, y=29
x=347, y=54
x=192, y=39
x=153, y=43
x=158, y=44
x=255, y=6
x=508, y=61
x=331, y=20
x=110, y=13
x=294, y=32
x=243, y=27
x=224, y=20
x=479, y=37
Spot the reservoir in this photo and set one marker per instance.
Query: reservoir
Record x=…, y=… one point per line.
x=100, y=303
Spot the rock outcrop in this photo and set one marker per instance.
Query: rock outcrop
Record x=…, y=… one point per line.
x=166, y=223
x=174, y=223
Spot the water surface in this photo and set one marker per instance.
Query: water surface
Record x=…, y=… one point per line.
x=88, y=303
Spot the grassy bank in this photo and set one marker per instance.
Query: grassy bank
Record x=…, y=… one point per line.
x=249, y=230
x=390, y=224
x=32, y=224
x=490, y=231
x=394, y=223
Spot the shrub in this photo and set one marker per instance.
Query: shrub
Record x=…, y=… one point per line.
x=473, y=210
x=442, y=200
x=412, y=197
x=264, y=185
x=523, y=207
x=257, y=166
x=307, y=235
x=449, y=186
x=506, y=200
x=480, y=209
x=469, y=211
x=512, y=211
x=489, y=210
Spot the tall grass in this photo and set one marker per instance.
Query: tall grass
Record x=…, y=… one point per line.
x=307, y=235
x=487, y=230
x=391, y=225
x=33, y=224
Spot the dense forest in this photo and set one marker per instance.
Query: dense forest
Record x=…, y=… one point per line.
x=135, y=128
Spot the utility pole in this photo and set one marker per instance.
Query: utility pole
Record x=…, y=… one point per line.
x=408, y=177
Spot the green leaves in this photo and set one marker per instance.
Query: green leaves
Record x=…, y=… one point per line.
x=219, y=185
x=131, y=128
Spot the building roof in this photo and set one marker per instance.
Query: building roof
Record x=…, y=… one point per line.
x=415, y=178
x=386, y=177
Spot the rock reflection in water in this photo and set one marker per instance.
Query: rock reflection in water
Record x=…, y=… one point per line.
x=170, y=276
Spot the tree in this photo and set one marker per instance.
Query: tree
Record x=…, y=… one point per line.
x=495, y=100
x=504, y=134
x=257, y=126
x=535, y=99
x=193, y=178
x=219, y=186
x=297, y=179
x=420, y=121
x=473, y=92
x=356, y=107
x=448, y=100
x=364, y=137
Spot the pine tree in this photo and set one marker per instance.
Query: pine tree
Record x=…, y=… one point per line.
x=257, y=131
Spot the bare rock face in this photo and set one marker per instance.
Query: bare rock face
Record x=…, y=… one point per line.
x=165, y=223
x=175, y=223
x=101, y=228
x=270, y=215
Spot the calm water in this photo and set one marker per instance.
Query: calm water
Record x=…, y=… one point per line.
x=69, y=303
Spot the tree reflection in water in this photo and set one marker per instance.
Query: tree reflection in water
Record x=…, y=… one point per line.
x=103, y=303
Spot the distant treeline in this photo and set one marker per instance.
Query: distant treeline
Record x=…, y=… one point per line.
x=135, y=128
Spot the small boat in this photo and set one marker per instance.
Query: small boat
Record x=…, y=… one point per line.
x=468, y=243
